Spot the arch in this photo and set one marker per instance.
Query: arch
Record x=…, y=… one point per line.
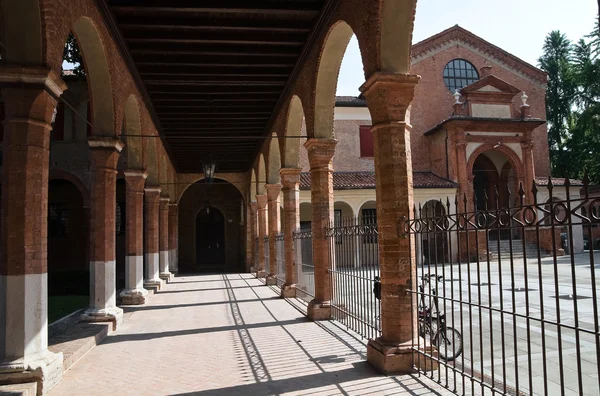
x=151, y=161
x=369, y=205
x=219, y=179
x=293, y=127
x=132, y=126
x=328, y=70
x=274, y=160
x=20, y=47
x=397, y=22
x=97, y=71
x=514, y=159
x=253, y=185
x=57, y=174
x=262, y=175
x=434, y=244
x=342, y=210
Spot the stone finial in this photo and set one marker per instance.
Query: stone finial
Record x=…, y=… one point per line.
x=457, y=96
x=525, y=109
x=457, y=107
x=486, y=71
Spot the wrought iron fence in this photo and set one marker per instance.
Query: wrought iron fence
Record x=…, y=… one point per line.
x=526, y=320
x=305, y=285
x=354, y=252
x=279, y=244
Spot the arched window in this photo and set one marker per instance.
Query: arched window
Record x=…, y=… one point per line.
x=459, y=73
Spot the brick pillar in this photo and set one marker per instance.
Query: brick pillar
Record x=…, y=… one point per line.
x=104, y=153
x=290, y=179
x=252, y=211
x=273, y=191
x=164, y=274
x=151, y=251
x=463, y=178
x=134, y=293
x=29, y=106
x=261, y=204
x=388, y=98
x=173, y=225
x=320, y=156
x=529, y=173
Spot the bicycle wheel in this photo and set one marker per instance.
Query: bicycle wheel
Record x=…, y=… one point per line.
x=449, y=343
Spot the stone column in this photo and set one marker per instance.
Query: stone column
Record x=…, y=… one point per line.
x=29, y=103
x=104, y=153
x=252, y=211
x=173, y=225
x=320, y=157
x=273, y=191
x=165, y=274
x=261, y=203
x=290, y=179
x=151, y=252
x=134, y=293
x=388, y=98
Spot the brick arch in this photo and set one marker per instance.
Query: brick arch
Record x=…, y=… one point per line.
x=330, y=61
x=98, y=76
x=261, y=175
x=20, y=48
x=224, y=177
x=395, y=35
x=274, y=160
x=512, y=157
x=132, y=126
x=151, y=161
x=293, y=127
x=253, y=184
x=57, y=174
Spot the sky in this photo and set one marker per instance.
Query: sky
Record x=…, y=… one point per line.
x=516, y=26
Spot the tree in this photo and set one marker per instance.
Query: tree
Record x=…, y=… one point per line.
x=72, y=54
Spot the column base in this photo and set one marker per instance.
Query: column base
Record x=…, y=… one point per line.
x=288, y=291
x=46, y=372
x=153, y=284
x=319, y=310
x=166, y=276
x=261, y=274
x=113, y=314
x=271, y=280
x=398, y=358
x=133, y=296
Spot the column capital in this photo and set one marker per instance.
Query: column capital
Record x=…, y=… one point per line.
x=105, y=143
x=273, y=191
x=152, y=194
x=164, y=202
x=320, y=152
x=389, y=95
x=32, y=77
x=135, y=180
x=173, y=206
x=261, y=201
x=290, y=177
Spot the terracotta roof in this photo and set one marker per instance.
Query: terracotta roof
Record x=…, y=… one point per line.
x=350, y=101
x=458, y=33
x=366, y=180
x=512, y=121
x=557, y=181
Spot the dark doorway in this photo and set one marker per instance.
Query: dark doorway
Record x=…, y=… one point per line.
x=210, y=239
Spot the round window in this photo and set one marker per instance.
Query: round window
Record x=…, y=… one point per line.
x=459, y=73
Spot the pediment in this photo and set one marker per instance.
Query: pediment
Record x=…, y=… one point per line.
x=490, y=83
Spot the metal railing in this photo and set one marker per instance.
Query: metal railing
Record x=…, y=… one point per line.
x=354, y=250
x=305, y=285
x=279, y=244
x=527, y=318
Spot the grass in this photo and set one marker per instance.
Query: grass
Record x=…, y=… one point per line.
x=60, y=306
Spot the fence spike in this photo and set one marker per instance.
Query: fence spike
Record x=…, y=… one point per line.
x=534, y=188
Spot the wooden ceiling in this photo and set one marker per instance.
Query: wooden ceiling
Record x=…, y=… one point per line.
x=215, y=70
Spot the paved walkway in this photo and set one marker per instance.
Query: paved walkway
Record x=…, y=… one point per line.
x=229, y=335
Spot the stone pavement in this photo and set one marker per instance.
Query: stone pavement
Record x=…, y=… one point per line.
x=229, y=335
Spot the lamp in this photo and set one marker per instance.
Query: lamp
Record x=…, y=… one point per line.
x=209, y=172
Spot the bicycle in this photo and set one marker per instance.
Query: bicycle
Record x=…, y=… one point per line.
x=447, y=340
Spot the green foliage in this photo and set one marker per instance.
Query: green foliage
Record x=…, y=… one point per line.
x=573, y=104
x=72, y=54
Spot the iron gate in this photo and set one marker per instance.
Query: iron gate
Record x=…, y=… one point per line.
x=279, y=244
x=354, y=249
x=528, y=318
x=305, y=285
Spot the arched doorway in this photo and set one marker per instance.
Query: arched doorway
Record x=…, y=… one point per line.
x=68, y=241
x=211, y=228
x=435, y=241
x=210, y=239
x=495, y=186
